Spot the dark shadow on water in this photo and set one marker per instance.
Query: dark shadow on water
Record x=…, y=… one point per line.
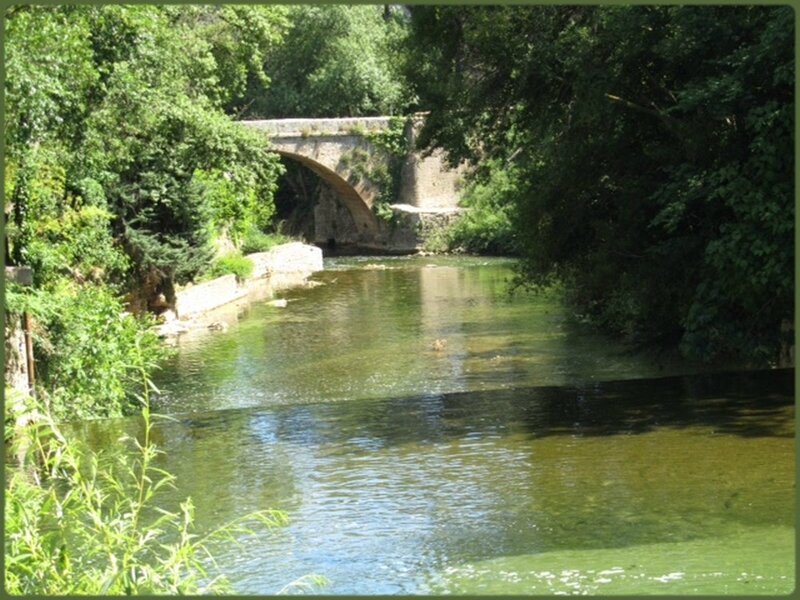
x=284, y=455
x=747, y=404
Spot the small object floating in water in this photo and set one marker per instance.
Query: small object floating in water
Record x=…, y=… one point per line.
x=279, y=303
x=439, y=345
x=218, y=326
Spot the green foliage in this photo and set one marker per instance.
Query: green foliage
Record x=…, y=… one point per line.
x=239, y=37
x=335, y=61
x=395, y=144
x=256, y=240
x=121, y=166
x=383, y=210
x=78, y=243
x=487, y=226
x=125, y=105
x=367, y=166
x=48, y=74
x=165, y=179
x=80, y=523
x=85, y=345
x=483, y=231
x=651, y=144
x=236, y=264
x=393, y=139
x=380, y=164
x=235, y=203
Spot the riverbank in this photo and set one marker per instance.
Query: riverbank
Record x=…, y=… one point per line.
x=215, y=304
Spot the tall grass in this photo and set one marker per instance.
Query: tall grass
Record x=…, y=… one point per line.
x=75, y=521
x=239, y=265
x=257, y=241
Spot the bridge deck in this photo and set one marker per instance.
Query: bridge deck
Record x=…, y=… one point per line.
x=319, y=127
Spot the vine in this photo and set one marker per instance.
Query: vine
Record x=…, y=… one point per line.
x=385, y=174
x=393, y=139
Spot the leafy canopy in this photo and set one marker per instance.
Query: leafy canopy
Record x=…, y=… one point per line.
x=650, y=144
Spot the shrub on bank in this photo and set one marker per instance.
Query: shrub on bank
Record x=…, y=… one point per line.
x=256, y=240
x=235, y=264
x=77, y=523
x=483, y=230
x=85, y=343
x=487, y=225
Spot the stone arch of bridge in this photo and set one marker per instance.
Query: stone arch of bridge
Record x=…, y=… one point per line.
x=358, y=205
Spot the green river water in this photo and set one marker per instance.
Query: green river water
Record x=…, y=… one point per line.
x=525, y=456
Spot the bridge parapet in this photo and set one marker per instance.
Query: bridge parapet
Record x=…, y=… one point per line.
x=289, y=128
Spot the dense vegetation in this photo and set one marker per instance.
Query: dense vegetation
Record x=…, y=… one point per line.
x=651, y=156
x=121, y=170
x=642, y=156
x=334, y=61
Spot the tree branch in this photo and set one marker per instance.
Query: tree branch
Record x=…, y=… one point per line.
x=671, y=122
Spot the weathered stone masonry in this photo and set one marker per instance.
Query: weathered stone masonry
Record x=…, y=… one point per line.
x=428, y=188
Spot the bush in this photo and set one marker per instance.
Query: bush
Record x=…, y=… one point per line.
x=487, y=226
x=85, y=344
x=256, y=240
x=236, y=201
x=77, y=242
x=237, y=264
x=484, y=230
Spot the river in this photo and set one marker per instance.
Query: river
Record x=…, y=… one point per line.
x=428, y=432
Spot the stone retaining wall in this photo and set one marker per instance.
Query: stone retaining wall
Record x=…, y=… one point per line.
x=284, y=266
x=279, y=128
x=202, y=297
x=294, y=257
x=413, y=226
x=16, y=364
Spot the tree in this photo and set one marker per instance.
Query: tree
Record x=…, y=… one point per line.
x=335, y=61
x=239, y=39
x=121, y=167
x=652, y=145
x=48, y=74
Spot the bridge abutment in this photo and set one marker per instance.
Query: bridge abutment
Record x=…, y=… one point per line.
x=427, y=182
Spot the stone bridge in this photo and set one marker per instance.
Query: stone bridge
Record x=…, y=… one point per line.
x=342, y=154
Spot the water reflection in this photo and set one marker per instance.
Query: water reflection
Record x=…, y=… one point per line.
x=384, y=492
x=527, y=438
x=368, y=333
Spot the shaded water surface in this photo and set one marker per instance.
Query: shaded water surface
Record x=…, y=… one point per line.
x=526, y=456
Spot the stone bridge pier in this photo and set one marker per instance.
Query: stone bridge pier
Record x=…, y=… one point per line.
x=343, y=154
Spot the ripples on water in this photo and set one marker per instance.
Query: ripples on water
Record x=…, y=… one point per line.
x=508, y=464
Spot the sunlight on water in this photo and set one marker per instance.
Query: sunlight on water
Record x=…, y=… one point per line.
x=370, y=333
x=761, y=565
x=526, y=456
